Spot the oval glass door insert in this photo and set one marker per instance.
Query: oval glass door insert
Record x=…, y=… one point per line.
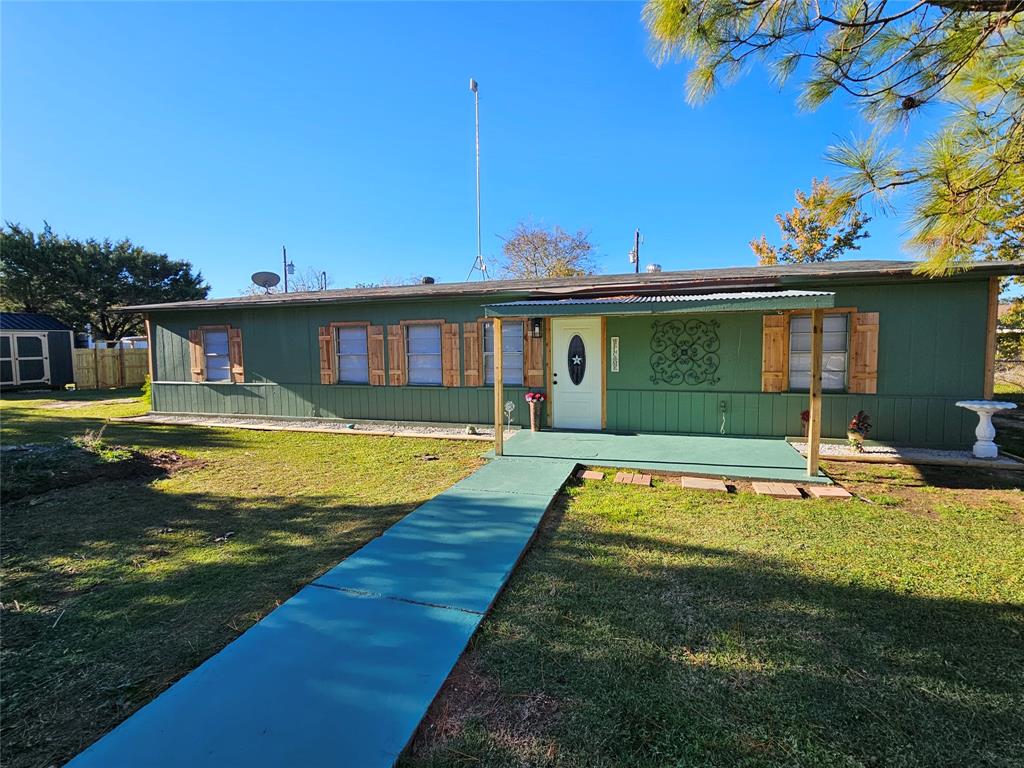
x=577, y=359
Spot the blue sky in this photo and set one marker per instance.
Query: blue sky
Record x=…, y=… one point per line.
x=218, y=132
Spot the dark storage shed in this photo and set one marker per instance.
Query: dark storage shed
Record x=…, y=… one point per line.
x=35, y=351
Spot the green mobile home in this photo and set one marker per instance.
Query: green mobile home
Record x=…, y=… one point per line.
x=725, y=351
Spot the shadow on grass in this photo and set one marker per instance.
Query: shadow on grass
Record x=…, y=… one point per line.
x=121, y=589
x=665, y=652
x=84, y=395
x=23, y=426
x=924, y=475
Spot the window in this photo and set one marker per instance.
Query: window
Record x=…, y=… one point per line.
x=834, y=354
x=423, y=353
x=511, y=350
x=6, y=361
x=215, y=348
x=353, y=357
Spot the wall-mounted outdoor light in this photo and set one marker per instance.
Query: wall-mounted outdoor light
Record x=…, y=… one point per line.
x=535, y=327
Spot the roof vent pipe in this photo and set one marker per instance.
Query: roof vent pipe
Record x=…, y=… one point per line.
x=427, y=280
x=652, y=268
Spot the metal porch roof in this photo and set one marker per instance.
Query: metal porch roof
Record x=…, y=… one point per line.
x=734, y=301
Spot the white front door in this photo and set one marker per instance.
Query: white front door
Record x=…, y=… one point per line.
x=577, y=360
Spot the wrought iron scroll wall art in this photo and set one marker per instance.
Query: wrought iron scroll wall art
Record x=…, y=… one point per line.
x=685, y=352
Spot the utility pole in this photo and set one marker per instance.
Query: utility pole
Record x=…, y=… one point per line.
x=479, y=261
x=288, y=268
x=634, y=255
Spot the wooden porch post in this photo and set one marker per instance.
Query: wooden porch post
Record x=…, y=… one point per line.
x=499, y=382
x=990, y=338
x=814, y=426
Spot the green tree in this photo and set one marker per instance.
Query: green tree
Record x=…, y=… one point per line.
x=1006, y=239
x=821, y=227
x=27, y=284
x=80, y=282
x=893, y=60
x=535, y=251
x=1010, y=346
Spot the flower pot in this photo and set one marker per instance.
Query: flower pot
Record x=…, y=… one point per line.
x=534, y=416
x=856, y=441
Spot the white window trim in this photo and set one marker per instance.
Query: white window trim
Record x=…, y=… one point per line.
x=846, y=355
x=440, y=354
x=338, y=353
x=207, y=356
x=488, y=357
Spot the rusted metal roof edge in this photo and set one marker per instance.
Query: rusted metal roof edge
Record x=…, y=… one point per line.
x=689, y=281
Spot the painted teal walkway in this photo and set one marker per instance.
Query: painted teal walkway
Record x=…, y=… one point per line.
x=744, y=458
x=342, y=673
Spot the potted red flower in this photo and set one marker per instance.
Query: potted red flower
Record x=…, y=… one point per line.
x=858, y=430
x=535, y=399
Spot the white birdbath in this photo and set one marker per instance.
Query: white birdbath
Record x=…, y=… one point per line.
x=984, y=448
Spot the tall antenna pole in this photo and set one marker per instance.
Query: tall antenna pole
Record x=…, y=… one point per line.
x=284, y=261
x=636, y=249
x=479, y=262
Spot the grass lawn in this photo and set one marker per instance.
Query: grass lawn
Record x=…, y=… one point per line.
x=662, y=627
x=115, y=588
x=1010, y=424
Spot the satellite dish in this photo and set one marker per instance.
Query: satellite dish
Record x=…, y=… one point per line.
x=266, y=280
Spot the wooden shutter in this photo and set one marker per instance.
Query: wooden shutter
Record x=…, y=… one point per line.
x=775, y=353
x=396, y=356
x=473, y=344
x=533, y=358
x=195, y=355
x=864, y=353
x=235, y=355
x=375, y=353
x=327, y=356
x=450, y=373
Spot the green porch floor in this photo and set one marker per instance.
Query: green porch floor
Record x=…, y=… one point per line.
x=742, y=458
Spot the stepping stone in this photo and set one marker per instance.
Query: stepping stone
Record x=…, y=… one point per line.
x=590, y=474
x=703, y=484
x=642, y=480
x=829, y=492
x=777, y=490
x=624, y=477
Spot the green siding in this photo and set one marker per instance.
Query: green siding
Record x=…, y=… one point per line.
x=463, y=405
x=931, y=353
x=282, y=368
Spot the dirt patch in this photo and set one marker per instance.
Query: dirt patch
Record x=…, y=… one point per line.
x=922, y=490
x=521, y=723
x=64, y=405
x=33, y=470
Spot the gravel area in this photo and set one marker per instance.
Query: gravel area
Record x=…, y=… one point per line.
x=905, y=454
x=323, y=425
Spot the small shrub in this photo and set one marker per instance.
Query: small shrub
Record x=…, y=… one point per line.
x=92, y=442
x=147, y=393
